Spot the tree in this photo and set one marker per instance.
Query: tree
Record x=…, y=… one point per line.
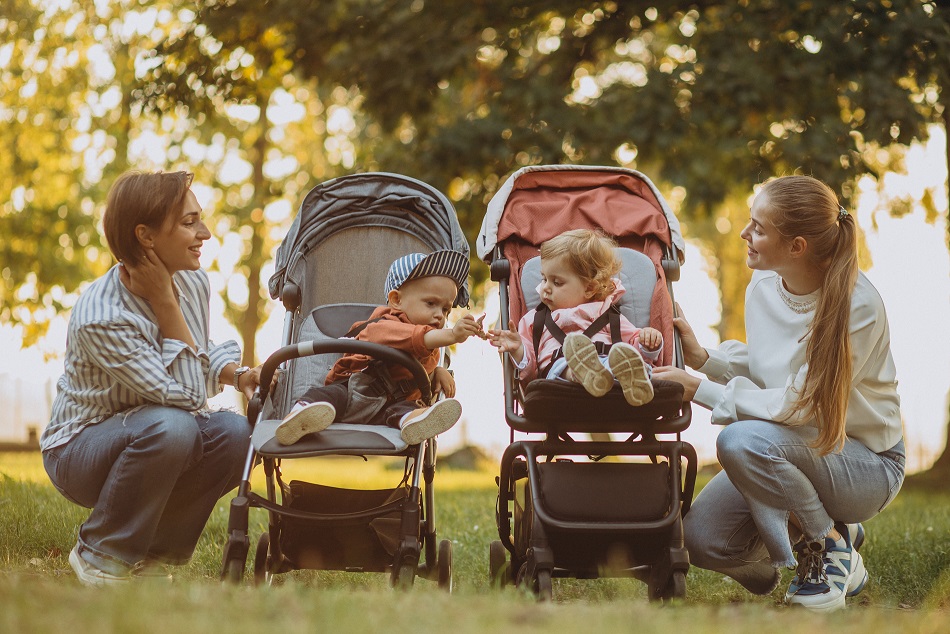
x=711, y=97
x=59, y=134
x=205, y=69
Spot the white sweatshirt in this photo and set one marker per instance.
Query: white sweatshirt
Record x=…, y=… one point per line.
x=759, y=380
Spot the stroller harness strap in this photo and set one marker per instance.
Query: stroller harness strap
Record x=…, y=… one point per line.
x=543, y=319
x=383, y=383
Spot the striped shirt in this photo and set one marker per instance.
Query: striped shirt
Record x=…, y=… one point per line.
x=117, y=359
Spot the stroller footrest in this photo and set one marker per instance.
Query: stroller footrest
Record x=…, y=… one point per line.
x=338, y=439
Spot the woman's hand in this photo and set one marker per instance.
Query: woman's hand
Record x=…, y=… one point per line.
x=689, y=382
x=251, y=380
x=694, y=354
x=507, y=341
x=443, y=381
x=149, y=279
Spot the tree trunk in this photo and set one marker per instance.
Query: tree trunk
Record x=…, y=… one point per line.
x=720, y=234
x=942, y=465
x=253, y=316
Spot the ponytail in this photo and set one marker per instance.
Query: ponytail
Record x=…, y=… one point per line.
x=803, y=206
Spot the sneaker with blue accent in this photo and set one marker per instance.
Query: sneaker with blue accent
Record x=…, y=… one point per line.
x=856, y=533
x=828, y=572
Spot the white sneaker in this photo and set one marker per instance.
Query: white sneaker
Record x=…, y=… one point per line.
x=584, y=361
x=828, y=572
x=629, y=369
x=428, y=422
x=151, y=570
x=856, y=535
x=91, y=576
x=303, y=419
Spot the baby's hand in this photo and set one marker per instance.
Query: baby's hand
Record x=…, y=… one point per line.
x=651, y=339
x=507, y=340
x=465, y=328
x=481, y=328
x=443, y=381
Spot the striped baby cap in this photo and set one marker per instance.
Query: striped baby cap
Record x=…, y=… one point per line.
x=447, y=263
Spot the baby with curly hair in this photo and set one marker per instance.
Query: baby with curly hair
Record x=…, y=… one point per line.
x=576, y=337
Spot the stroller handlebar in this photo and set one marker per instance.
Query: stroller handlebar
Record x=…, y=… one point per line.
x=309, y=348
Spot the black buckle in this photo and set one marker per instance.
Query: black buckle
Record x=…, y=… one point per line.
x=383, y=383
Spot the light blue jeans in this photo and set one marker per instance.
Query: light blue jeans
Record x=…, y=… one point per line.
x=152, y=477
x=739, y=523
x=557, y=368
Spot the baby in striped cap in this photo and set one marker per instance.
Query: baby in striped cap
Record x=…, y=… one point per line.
x=420, y=291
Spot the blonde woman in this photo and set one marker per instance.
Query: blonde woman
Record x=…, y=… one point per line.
x=812, y=443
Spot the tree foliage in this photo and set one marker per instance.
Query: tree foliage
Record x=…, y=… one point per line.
x=208, y=67
x=713, y=95
x=708, y=98
x=56, y=133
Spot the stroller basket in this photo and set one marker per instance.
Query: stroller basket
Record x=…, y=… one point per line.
x=361, y=543
x=578, y=491
x=575, y=492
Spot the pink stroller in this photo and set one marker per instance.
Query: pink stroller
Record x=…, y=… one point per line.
x=590, y=519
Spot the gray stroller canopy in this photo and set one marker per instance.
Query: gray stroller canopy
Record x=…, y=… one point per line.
x=371, y=199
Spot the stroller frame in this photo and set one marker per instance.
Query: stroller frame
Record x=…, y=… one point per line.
x=417, y=525
x=410, y=547
x=540, y=538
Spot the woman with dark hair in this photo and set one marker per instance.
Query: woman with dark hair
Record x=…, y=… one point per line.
x=130, y=434
x=813, y=442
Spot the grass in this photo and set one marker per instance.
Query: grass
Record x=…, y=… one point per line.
x=907, y=553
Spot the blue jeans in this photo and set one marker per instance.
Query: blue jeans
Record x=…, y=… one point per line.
x=739, y=523
x=557, y=368
x=152, y=477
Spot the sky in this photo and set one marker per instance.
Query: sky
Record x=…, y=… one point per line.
x=911, y=270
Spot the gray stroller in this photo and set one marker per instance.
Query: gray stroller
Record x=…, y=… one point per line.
x=329, y=274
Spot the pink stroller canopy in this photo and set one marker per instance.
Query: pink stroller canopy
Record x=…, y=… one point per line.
x=538, y=203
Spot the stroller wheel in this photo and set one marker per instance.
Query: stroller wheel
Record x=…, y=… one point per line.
x=499, y=571
x=262, y=561
x=544, y=586
x=541, y=585
x=445, y=565
x=234, y=571
x=677, y=586
x=674, y=588
x=403, y=576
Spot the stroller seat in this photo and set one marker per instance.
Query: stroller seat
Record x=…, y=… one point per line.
x=340, y=439
x=560, y=406
x=331, y=321
x=556, y=406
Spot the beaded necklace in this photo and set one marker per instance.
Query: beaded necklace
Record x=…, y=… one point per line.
x=799, y=307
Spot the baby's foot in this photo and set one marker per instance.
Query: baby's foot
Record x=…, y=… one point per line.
x=303, y=419
x=630, y=371
x=584, y=362
x=428, y=422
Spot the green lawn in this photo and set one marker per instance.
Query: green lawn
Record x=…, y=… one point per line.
x=907, y=554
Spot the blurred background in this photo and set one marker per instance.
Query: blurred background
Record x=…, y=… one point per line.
x=265, y=100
